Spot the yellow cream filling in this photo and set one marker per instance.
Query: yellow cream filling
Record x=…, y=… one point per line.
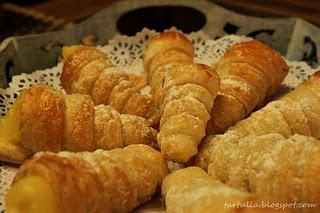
x=10, y=124
x=67, y=51
x=31, y=194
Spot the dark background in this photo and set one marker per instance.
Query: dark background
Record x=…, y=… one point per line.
x=20, y=17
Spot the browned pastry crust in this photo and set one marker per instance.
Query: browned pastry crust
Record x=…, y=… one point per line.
x=136, y=131
x=261, y=57
x=166, y=57
x=106, y=118
x=103, y=181
x=286, y=169
x=79, y=123
x=85, y=83
x=92, y=74
x=75, y=63
x=162, y=54
x=297, y=112
x=165, y=41
x=52, y=121
x=157, y=82
x=224, y=116
x=192, y=190
x=184, y=118
x=190, y=73
x=42, y=120
x=250, y=73
x=184, y=92
x=105, y=83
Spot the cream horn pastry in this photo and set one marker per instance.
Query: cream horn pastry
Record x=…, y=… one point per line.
x=43, y=119
x=117, y=180
x=297, y=112
x=286, y=169
x=183, y=90
x=87, y=70
x=250, y=73
x=192, y=190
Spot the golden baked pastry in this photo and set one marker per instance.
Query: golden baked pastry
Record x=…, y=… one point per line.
x=166, y=41
x=250, y=73
x=44, y=119
x=245, y=159
x=286, y=169
x=162, y=54
x=87, y=70
x=296, y=112
x=103, y=181
x=184, y=116
x=192, y=190
x=183, y=90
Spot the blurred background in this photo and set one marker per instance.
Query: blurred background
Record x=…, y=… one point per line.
x=21, y=17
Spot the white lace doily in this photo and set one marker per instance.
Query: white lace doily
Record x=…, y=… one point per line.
x=126, y=53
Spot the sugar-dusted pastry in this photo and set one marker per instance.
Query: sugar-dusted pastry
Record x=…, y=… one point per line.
x=286, y=169
x=44, y=119
x=117, y=180
x=192, y=190
x=183, y=90
x=181, y=49
x=162, y=54
x=296, y=112
x=250, y=73
x=185, y=111
x=87, y=70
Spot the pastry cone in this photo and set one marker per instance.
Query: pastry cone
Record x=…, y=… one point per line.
x=103, y=181
x=166, y=41
x=45, y=119
x=87, y=70
x=250, y=73
x=192, y=190
x=296, y=112
x=184, y=117
x=162, y=54
x=184, y=91
x=286, y=169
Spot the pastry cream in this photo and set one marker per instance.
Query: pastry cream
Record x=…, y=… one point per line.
x=67, y=51
x=9, y=124
x=31, y=194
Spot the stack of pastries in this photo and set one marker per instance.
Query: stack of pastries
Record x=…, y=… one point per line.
x=104, y=147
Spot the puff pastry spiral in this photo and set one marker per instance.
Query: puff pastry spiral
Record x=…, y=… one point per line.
x=48, y=120
x=286, y=169
x=250, y=73
x=296, y=112
x=117, y=180
x=183, y=90
x=192, y=190
x=87, y=70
